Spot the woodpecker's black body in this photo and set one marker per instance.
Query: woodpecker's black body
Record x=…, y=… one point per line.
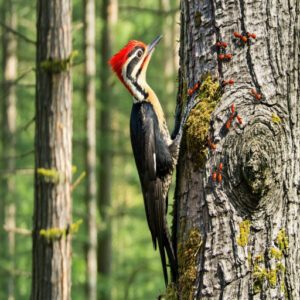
x=155, y=166
x=155, y=152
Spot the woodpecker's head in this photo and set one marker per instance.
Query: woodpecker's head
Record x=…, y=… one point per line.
x=130, y=64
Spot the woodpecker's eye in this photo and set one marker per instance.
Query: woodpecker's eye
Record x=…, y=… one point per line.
x=139, y=54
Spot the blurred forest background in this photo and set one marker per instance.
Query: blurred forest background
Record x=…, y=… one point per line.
x=133, y=269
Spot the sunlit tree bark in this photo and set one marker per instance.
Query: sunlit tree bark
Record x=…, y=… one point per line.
x=91, y=197
x=9, y=49
x=238, y=236
x=52, y=228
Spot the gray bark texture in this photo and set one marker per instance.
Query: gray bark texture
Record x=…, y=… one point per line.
x=238, y=236
x=52, y=220
x=10, y=63
x=91, y=193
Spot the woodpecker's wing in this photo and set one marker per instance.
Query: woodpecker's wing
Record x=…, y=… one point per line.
x=152, y=154
x=153, y=161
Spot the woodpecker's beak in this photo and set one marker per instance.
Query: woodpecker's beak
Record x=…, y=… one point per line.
x=153, y=44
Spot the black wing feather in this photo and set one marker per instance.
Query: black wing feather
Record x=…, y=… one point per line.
x=153, y=161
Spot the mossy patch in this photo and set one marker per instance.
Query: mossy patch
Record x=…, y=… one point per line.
x=262, y=275
x=243, y=237
x=50, y=175
x=187, y=264
x=58, y=65
x=282, y=240
x=58, y=233
x=276, y=253
x=271, y=276
x=275, y=119
x=197, y=125
x=171, y=293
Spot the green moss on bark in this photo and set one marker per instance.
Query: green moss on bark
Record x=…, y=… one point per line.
x=55, y=66
x=187, y=264
x=198, y=122
x=243, y=237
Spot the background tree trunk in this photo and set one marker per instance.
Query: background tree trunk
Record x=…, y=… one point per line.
x=109, y=17
x=239, y=238
x=91, y=196
x=9, y=140
x=51, y=274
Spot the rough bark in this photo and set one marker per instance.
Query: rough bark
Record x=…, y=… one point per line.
x=9, y=141
x=91, y=193
x=239, y=239
x=52, y=228
x=109, y=17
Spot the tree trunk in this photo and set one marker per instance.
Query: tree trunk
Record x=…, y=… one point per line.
x=91, y=196
x=237, y=224
x=167, y=59
x=51, y=255
x=9, y=140
x=109, y=17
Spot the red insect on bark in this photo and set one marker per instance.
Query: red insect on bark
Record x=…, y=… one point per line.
x=232, y=109
x=251, y=35
x=214, y=176
x=221, y=44
x=228, y=123
x=211, y=145
x=228, y=56
x=228, y=82
x=256, y=94
x=219, y=177
x=244, y=39
x=220, y=167
x=221, y=56
x=192, y=90
x=237, y=35
x=239, y=119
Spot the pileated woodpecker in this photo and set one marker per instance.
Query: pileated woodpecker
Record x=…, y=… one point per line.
x=155, y=152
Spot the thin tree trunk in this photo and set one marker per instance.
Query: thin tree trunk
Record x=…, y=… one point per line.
x=9, y=140
x=238, y=236
x=51, y=255
x=91, y=197
x=168, y=58
x=109, y=17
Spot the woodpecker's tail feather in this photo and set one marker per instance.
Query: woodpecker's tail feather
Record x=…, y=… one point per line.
x=171, y=255
x=162, y=235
